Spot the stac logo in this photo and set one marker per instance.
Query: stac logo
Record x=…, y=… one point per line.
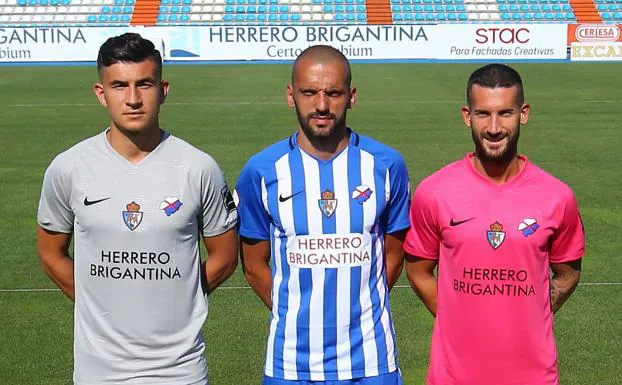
x=597, y=32
x=492, y=35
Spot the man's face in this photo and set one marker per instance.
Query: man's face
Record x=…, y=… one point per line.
x=321, y=97
x=495, y=116
x=132, y=93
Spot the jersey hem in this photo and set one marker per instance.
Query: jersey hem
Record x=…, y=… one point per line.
x=55, y=229
x=416, y=253
x=218, y=232
x=333, y=376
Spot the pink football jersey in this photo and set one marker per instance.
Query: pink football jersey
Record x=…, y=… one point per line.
x=494, y=244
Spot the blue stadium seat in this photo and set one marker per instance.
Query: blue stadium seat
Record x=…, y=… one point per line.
x=163, y=9
x=262, y=9
x=251, y=2
x=360, y=8
x=121, y=2
x=251, y=17
x=460, y=8
x=105, y=9
x=127, y=9
x=397, y=17
x=273, y=9
x=524, y=8
x=441, y=17
x=606, y=16
x=396, y=8
x=462, y=17
x=418, y=8
x=339, y=17
x=240, y=9
x=328, y=8
x=102, y=18
x=173, y=18
x=173, y=9
x=114, y=18
x=556, y=8
x=44, y=2
x=513, y=8
x=613, y=7
x=428, y=8
x=559, y=16
x=538, y=16
x=429, y=16
x=502, y=8
x=549, y=16
x=451, y=8
x=125, y=18
x=184, y=2
x=184, y=18
x=261, y=17
x=408, y=17
x=617, y=15
x=601, y=7
x=545, y=7
x=185, y=9
x=505, y=16
x=360, y=1
x=229, y=9
x=452, y=17
x=350, y=17
x=240, y=17
x=273, y=1
x=116, y=9
x=439, y=8
x=339, y=8
x=91, y=18
x=251, y=9
x=517, y=16
x=566, y=8
x=229, y=2
x=419, y=17
x=350, y=9
x=361, y=17
x=272, y=17
x=296, y=17
x=241, y=2
x=228, y=17
x=534, y=7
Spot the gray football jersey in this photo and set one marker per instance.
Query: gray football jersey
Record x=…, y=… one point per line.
x=139, y=301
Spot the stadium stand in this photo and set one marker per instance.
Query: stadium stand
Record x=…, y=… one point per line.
x=291, y=12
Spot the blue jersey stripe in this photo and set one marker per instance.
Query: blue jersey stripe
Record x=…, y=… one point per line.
x=329, y=226
x=381, y=343
x=305, y=280
x=272, y=192
x=356, y=226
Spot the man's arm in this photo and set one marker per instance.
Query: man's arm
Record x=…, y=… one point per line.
x=420, y=272
x=255, y=254
x=53, y=251
x=222, y=258
x=394, y=255
x=564, y=281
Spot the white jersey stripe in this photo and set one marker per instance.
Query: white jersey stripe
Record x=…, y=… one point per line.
x=382, y=288
x=276, y=247
x=316, y=306
x=367, y=322
x=342, y=193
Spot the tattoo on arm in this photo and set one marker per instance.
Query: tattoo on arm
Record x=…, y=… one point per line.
x=558, y=296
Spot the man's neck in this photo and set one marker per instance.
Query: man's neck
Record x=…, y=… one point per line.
x=498, y=172
x=134, y=146
x=324, y=148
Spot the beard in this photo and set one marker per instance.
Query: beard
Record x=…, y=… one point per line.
x=501, y=155
x=320, y=133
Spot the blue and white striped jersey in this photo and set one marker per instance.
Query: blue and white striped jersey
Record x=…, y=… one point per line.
x=326, y=222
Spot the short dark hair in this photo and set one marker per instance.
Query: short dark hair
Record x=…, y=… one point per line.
x=493, y=76
x=127, y=48
x=323, y=53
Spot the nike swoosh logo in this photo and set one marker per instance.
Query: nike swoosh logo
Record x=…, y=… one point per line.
x=87, y=202
x=453, y=223
x=283, y=199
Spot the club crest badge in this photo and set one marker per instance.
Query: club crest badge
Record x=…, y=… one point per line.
x=361, y=193
x=528, y=226
x=170, y=205
x=495, y=235
x=328, y=203
x=133, y=216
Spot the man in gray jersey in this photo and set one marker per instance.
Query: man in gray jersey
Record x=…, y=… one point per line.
x=137, y=200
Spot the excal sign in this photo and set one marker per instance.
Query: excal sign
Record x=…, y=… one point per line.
x=503, y=41
x=595, y=42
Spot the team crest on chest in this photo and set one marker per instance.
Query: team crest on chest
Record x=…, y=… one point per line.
x=328, y=203
x=495, y=235
x=528, y=226
x=133, y=216
x=361, y=193
x=170, y=205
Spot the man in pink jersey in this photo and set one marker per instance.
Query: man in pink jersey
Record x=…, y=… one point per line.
x=495, y=224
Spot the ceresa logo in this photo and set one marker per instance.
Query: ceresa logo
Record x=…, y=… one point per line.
x=493, y=35
x=597, y=32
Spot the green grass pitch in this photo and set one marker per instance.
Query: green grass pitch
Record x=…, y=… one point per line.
x=232, y=112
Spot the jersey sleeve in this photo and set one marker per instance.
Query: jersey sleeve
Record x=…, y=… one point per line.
x=55, y=212
x=423, y=238
x=399, y=199
x=568, y=243
x=254, y=219
x=218, y=209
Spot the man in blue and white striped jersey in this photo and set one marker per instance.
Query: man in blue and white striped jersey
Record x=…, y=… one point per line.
x=323, y=215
